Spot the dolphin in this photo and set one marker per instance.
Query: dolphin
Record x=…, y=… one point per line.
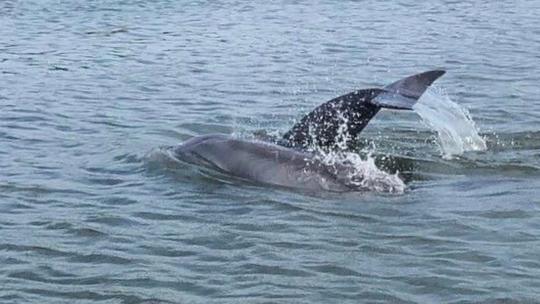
x=297, y=159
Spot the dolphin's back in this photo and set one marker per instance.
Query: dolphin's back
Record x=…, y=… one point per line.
x=259, y=161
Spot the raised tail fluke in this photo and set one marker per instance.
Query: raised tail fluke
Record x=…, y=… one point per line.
x=336, y=124
x=404, y=93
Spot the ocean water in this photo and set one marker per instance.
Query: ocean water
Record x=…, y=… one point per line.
x=89, y=89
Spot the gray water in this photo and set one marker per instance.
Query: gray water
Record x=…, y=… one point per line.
x=89, y=88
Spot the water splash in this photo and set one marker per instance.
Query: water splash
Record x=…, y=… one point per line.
x=456, y=131
x=361, y=174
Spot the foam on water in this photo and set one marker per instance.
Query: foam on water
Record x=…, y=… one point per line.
x=456, y=131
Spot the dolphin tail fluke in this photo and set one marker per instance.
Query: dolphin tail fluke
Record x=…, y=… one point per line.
x=352, y=112
x=404, y=93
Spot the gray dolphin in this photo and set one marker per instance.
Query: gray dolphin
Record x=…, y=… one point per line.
x=296, y=160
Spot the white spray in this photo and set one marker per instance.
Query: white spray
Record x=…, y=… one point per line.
x=455, y=129
x=362, y=174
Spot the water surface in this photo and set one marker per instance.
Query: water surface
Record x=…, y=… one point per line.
x=88, y=89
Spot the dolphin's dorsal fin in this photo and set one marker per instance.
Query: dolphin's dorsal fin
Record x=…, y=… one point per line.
x=336, y=124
